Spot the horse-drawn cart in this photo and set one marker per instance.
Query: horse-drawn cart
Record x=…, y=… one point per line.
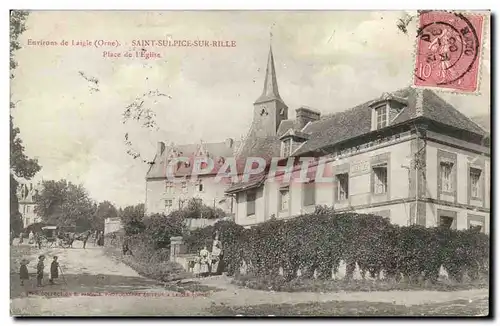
x=54, y=235
x=49, y=236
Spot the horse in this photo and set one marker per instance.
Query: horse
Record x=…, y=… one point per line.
x=72, y=236
x=84, y=237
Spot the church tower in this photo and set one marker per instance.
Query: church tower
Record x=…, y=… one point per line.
x=269, y=108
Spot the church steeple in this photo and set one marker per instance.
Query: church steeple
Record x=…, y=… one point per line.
x=269, y=108
x=270, y=91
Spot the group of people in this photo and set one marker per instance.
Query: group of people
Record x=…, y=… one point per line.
x=54, y=270
x=208, y=263
x=33, y=239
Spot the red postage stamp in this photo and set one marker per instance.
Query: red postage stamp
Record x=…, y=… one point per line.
x=448, y=50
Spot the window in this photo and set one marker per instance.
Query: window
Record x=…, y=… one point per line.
x=169, y=188
x=284, y=199
x=476, y=226
x=309, y=194
x=168, y=203
x=381, y=116
x=342, y=186
x=184, y=186
x=380, y=179
x=475, y=188
x=286, y=147
x=446, y=176
x=446, y=221
x=27, y=209
x=251, y=196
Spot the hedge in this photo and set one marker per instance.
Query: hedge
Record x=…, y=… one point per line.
x=316, y=244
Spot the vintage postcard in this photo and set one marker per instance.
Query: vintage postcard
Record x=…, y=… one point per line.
x=250, y=163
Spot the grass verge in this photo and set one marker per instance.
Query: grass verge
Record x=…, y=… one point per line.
x=156, y=268
x=358, y=309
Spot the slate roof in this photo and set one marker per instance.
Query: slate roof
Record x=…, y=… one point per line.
x=338, y=127
x=270, y=91
x=214, y=151
x=483, y=121
x=341, y=126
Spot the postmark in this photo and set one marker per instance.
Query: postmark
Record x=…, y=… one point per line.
x=448, y=50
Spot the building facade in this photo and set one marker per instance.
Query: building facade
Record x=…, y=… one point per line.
x=25, y=195
x=164, y=194
x=407, y=155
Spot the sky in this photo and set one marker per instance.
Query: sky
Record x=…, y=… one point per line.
x=327, y=60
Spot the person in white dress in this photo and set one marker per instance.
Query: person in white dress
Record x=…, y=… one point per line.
x=204, y=261
x=196, y=267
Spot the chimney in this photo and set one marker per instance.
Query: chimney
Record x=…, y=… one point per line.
x=160, y=148
x=305, y=115
x=229, y=143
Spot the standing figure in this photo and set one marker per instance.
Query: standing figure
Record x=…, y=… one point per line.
x=39, y=270
x=23, y=271
x=38, y=240
x=31, y=237
x=126, y=246
x=216, y=257
x=204, y=262
x=197, y=267
x=113, y=238
x=21, y=237
x=96, y=236
x=54, y=270
x=100, y=240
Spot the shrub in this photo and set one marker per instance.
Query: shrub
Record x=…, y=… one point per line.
x=196, y=239
x=132, y=217
x=158, y=229
x=316, y=244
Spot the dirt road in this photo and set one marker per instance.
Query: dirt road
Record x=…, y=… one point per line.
x=95, y=285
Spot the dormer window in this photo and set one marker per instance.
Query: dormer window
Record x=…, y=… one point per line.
x=381, y=116
x=286, y=147
x=386, y=109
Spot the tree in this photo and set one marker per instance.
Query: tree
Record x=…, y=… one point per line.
x=63, y=203
x=132, y=217
x=20, y=165
x=104, y=210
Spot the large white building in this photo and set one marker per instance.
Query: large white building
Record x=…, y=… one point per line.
x=407, y=155
x=25, y=195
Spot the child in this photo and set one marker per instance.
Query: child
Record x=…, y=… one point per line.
x=23, y=271
x=126, y=247
x=39, y=270
x=196, y=267
x=54, y=270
